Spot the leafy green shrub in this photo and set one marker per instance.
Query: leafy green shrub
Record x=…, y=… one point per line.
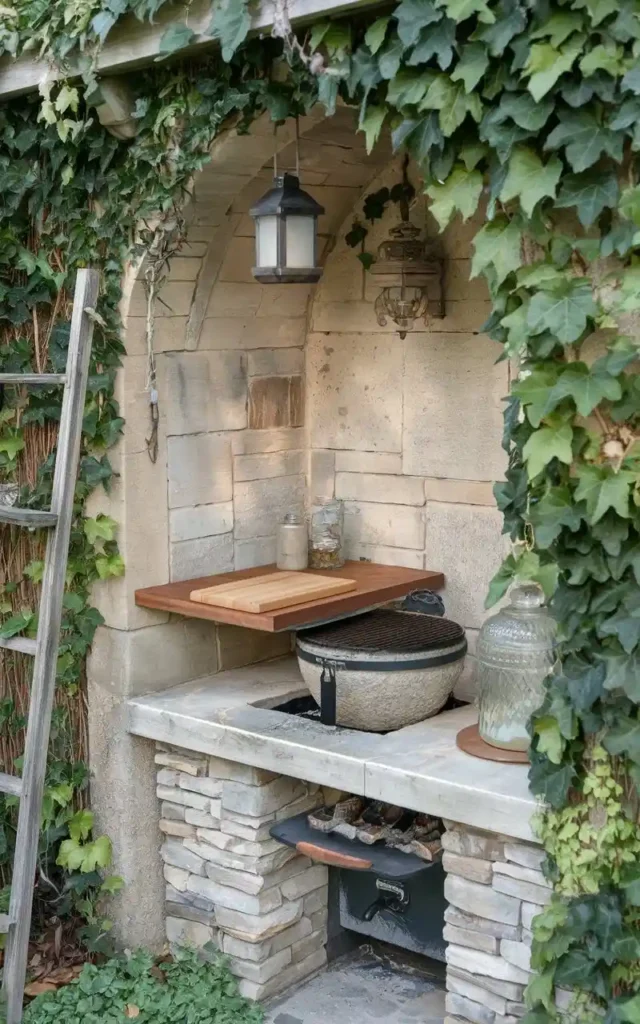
x=186, y=990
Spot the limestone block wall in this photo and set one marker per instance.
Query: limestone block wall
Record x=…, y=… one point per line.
x=228, y=884
x=231, y=351
x=408, y=432
x=495, y=888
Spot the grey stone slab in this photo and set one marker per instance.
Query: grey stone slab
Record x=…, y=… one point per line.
x=481, y=900
x=419, y=767
x=359, y=989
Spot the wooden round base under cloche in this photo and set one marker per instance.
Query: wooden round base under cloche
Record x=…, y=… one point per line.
x=471, y=742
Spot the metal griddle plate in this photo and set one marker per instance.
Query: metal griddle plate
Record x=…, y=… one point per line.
x=384, y=860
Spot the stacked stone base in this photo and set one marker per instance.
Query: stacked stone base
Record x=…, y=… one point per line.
x=229, y=884
x=495, y=888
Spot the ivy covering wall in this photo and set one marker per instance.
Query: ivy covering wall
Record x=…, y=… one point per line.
x=530, y=110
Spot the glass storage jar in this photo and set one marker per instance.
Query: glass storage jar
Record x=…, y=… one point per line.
x=514, y=654
x=326, y=534
x=292, y=544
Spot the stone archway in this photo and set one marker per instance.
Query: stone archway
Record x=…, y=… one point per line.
x=230, y=355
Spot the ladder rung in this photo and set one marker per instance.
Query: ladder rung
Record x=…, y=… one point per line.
x=31, y=517
x=32, y=378
x=21, y=644
x=5, y=923
x=11, y=784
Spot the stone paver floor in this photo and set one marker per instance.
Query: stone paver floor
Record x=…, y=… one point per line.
x=363, y=988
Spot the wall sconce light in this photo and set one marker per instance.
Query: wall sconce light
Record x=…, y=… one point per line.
x=411, y=277
x=286, y=220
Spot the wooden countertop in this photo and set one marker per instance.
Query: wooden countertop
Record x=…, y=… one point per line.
x=377, y=584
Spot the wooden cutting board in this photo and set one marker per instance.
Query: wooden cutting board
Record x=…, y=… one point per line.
x=273, y=590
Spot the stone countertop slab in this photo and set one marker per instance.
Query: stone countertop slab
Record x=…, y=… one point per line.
x=419, y=767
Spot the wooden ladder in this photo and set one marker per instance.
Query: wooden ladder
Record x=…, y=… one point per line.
x=30, y=786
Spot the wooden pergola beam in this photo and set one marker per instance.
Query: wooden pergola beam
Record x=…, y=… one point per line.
x=133, y=44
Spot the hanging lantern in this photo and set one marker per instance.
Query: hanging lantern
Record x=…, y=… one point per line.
x=286, y=231
x=411, y=280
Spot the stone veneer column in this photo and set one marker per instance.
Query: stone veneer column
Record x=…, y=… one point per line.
x=495, y=888
x=228, y=882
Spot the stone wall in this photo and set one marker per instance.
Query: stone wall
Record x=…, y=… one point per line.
x=228, y=884
x=495, y=888
x=408, y=432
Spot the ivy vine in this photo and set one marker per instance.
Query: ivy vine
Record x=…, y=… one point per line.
x=528, y=110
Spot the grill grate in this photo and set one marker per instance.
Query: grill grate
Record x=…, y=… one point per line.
x=386, y=630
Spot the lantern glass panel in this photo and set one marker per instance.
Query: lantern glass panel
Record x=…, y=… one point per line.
x=267, y=241
x=300, y=241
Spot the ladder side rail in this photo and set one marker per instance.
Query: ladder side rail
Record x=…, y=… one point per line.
x=47, y=643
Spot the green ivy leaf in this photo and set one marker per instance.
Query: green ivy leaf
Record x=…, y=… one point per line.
x=390, y=59
x=598, y=10
x=623, y=673
x=408, y=88
x=550, y=513
x=501, y=582
x=102, y=528
x=460, y=10
x=550, y=782
x=587, y=386
x=375, y=34
x=545, y=444
x=523, y=109
x=453, y=103
x=605, y=57
x=11, y=444
x=624, y=738
x=625, y=625
x=559, y=27
x=421, y=138
x=460, y=192
x=412, y=16
x=564, y=310
x=533, y=390
x=80, y=825
x=541, y=989
x=529, y=179
x=497, y=245
x=603, y=489
x=546, y=64
x=474, y=61
x=584, y=138
x=175, y=38
x=108, y=566
x=590, y=192
x=317, y=34
x=371, y=125
x=550, y=740
x=631, y=80
x=230, y=25
x=435, y=42
x=17, y=624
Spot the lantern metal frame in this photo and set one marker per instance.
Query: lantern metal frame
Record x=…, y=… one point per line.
x=286, y=199
x=410, y=272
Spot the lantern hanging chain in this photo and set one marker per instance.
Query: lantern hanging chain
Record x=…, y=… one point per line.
x=275, y=151
x=297, y=147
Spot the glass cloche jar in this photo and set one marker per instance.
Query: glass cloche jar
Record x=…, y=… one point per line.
x=514, y=654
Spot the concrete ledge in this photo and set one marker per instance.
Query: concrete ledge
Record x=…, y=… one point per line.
x=419, y=767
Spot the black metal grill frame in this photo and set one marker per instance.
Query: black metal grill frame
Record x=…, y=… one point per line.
x=386, y=630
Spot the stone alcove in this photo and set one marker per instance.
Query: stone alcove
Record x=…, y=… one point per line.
x=269, y=394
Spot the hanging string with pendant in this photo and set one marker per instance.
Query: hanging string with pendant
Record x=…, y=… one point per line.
x=151, y=384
